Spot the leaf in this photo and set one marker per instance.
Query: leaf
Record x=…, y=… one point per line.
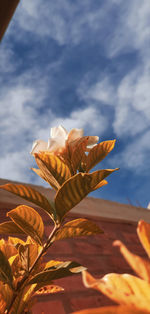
x=8, y=249
x=10, y=227
x=52, y=263
x=29, y=221
x=99, y=185
x=112, y=310
x=5, y=270
x=30, y=195
x=76, y=228
x=2, y=305
x=50, y=289
x=59, y=271
x=76, y=188
x=5, y=296
x=77, y=151
x=16, y=267
x=98, y=153
x=24, y=256
x=123, y=289
x=46, y=175
x=15, y=242
x=54, y=165
x=143, y=231
x=23, y=300
x=140, y=265
x=28, y=254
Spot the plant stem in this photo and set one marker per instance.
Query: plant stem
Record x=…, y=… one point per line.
x=44, y=249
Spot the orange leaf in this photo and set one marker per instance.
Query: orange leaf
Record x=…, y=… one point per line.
x=77, y=228
x=100, y=184
x=140, y=265
x=45, y=175
x=76, y=188
x=78, y=151
x=31, y=195
x=50, y=289
x=143, y=231
x=54, y=165
x=98, y=153
x=123, y=289
x=29, y=221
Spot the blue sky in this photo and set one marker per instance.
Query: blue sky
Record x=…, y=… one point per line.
x=82, y=64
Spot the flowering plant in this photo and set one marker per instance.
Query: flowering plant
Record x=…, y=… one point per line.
x=65, y=164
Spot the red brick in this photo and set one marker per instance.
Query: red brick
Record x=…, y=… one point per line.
x=48, y=307
x=62, y=247
x=98, y=264
x=72, y=283
x=84, y=302
x=131, y=238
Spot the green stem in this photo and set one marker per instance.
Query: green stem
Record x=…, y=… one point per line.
x=44, y=249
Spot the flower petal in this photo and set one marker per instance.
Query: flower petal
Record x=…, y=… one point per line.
x=59, y=131
x=38, y=146
x=124, y=289
x=140, y=265
x=143, y=231
x=56, y=145
x=92, y=141
x=74, y=134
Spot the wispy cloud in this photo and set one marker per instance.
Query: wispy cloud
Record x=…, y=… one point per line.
x=82, y=64
x=129, y=96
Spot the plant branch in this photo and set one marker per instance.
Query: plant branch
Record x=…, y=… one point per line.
x=44, y=249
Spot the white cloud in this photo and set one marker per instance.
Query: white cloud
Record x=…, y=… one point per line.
x=72, y=23
x=132, y=32
x=103, y=91
x=90, y=119
x=62, y=20
x=135, y=155
x=130, y=97
x=23, y=121
x=8, y=63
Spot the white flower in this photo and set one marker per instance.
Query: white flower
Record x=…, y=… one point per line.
x=59, y=138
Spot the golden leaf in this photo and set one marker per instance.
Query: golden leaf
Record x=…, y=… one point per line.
x=29, y=221
x=46, y=175
x=124, y=289
x=100, y=184
x=10, y=227
x=76, y=228
x=5, y=296
x=62, y=270
x=77, y=151
x=8, y=249
x=23, y=300
x=140, y=265
x=16, y=266
x=5, y=270
x=2, y=305
x=15, y=242
x=54, y=165
x=50, y=289
x=143, y=231
x=76, y=188
x=29, y=194
x=52, y=263
x=98, y=153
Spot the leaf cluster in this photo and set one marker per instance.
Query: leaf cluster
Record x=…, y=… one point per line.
x=23, y=272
